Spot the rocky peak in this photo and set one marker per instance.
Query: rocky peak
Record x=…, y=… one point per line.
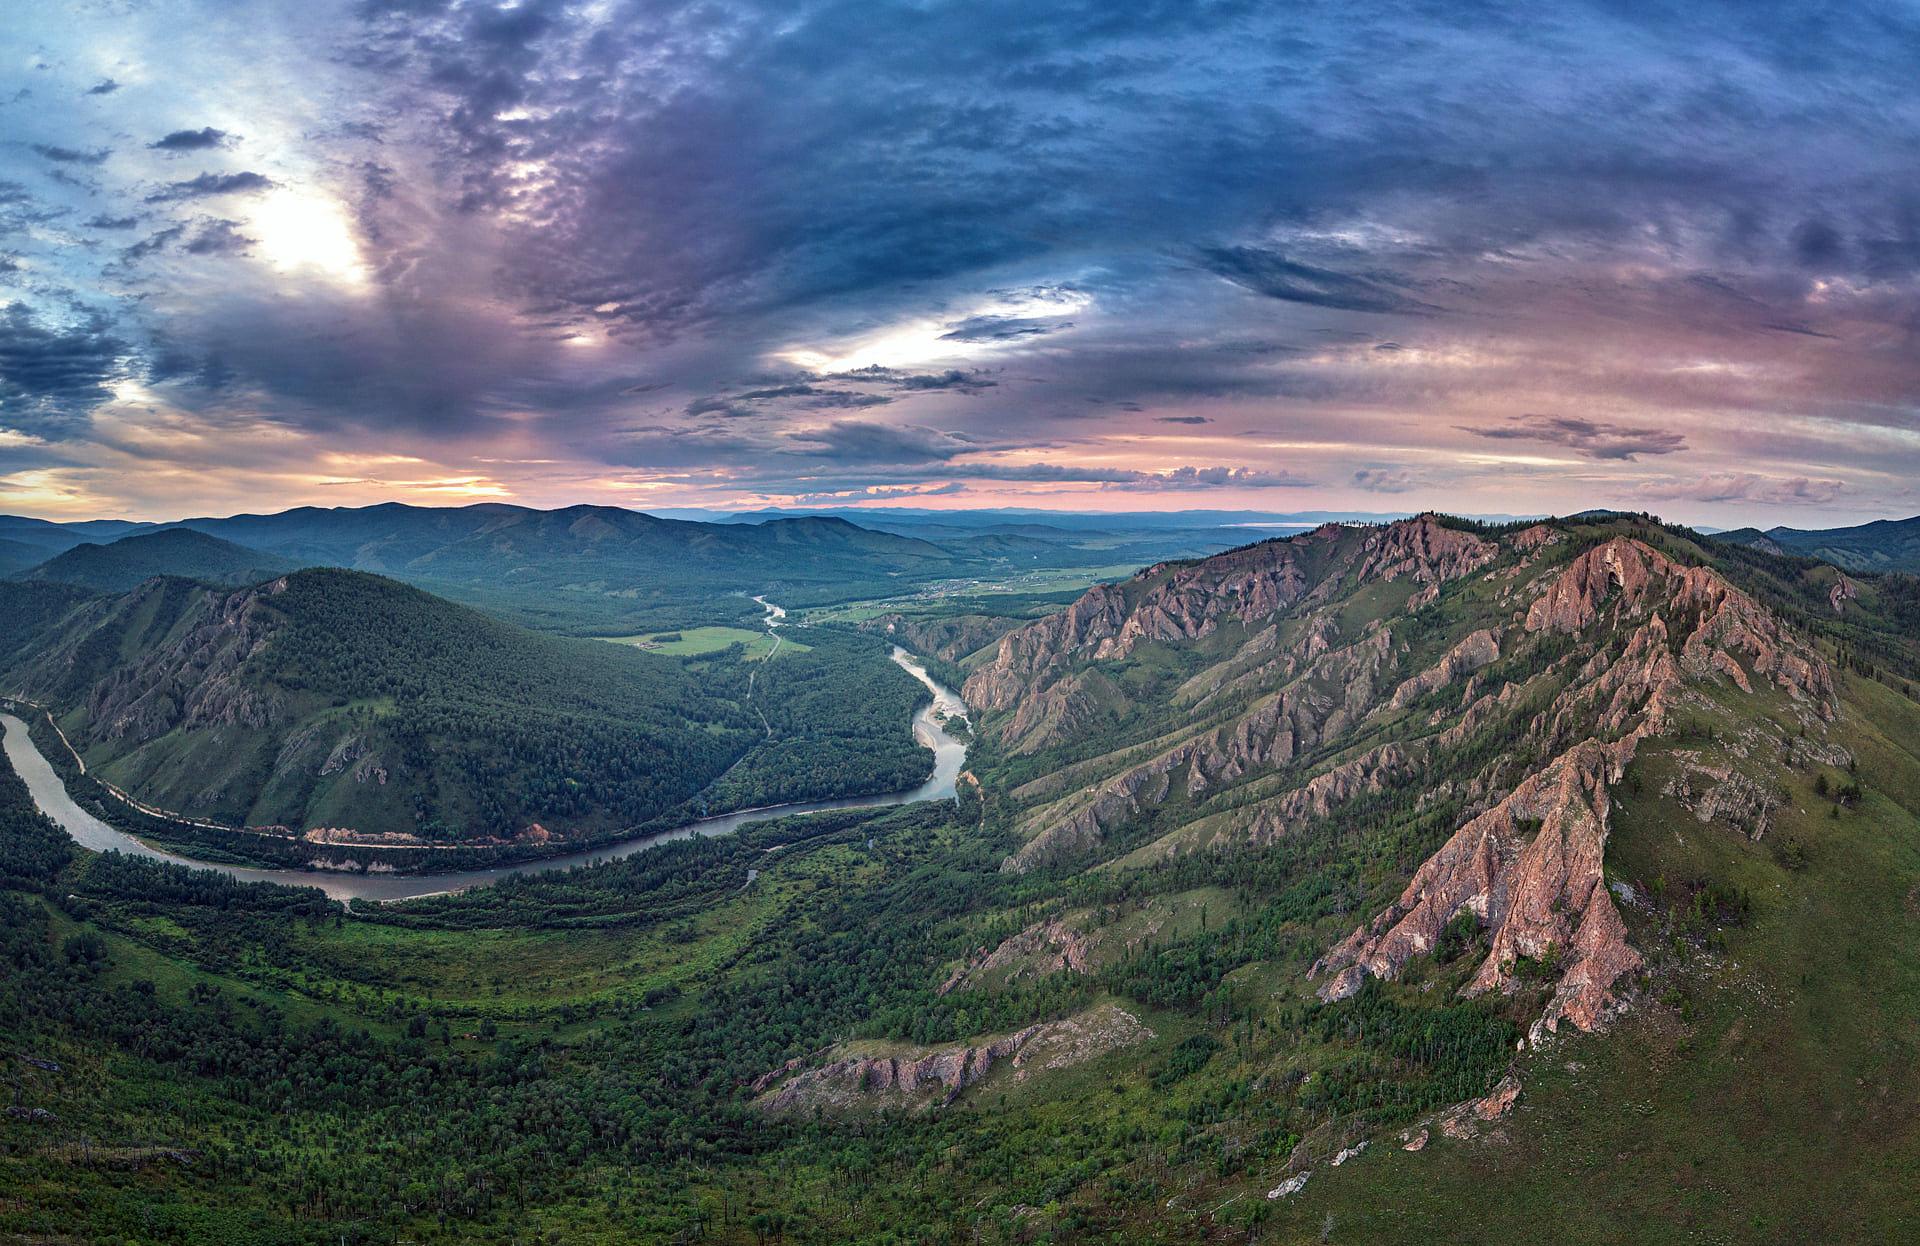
x=1425, y=549
x=1624, y=578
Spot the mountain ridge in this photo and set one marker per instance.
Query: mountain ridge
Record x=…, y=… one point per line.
x=1590, y=652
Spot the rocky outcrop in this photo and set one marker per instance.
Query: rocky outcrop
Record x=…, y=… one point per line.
x=1369, y=774
x=1463, y=1121
x=1425, y=549
x=1537, y=537
x=1276, y=730
x=1163, y=603
x=1538, y=892
x=1720, y=629
x=193, y=679
x=1045, y=661
x=1480, y=649
x=1118, y=799
x=1045, y=947
x=1073, y=706
x=937, y=1076
x=1719, y=792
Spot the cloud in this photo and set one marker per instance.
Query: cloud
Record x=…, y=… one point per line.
x=1277, y=277
x=1002, y=328
x=210, y=184
x=193, y=140
x=1184, y=478
x=862, y=441
x=56, y=372
x=106, y=86
x=1593, y=439
x=1386, y=479
x=919, y=382
x=219, y=238
x=69, y=155
x=1743, y=487
x=878, y=493
x=1686, y=225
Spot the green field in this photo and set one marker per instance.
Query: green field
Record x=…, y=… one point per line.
x=693, y=642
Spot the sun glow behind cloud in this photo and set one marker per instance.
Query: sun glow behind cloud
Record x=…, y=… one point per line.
x=301, y=231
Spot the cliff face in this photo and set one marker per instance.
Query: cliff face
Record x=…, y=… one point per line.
x=1625, y=578
x=1529, y=870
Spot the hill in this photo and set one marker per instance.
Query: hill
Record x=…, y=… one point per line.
x=590, y=569
x=18, y=555
x=336, y=699
x=121, y=564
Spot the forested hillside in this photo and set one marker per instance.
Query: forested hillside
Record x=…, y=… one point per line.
x=334, y=699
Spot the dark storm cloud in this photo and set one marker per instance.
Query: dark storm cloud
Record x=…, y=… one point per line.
x=1593, y=439
x=859, y=441
x=210, y=184
x=920, y=382
x=192, y=140
x=218, y=238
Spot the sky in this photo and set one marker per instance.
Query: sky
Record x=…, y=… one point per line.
x=1470, y=256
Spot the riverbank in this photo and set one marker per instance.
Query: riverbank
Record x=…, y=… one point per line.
x=51, y=795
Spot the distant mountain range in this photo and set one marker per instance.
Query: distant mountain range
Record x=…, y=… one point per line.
x=586, y=569
x=1883, y=545
x=608, y=570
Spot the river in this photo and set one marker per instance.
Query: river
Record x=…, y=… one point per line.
x=89, y=831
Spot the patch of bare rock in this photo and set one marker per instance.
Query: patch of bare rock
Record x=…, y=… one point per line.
x=935, y=1077
x=1043, y=948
